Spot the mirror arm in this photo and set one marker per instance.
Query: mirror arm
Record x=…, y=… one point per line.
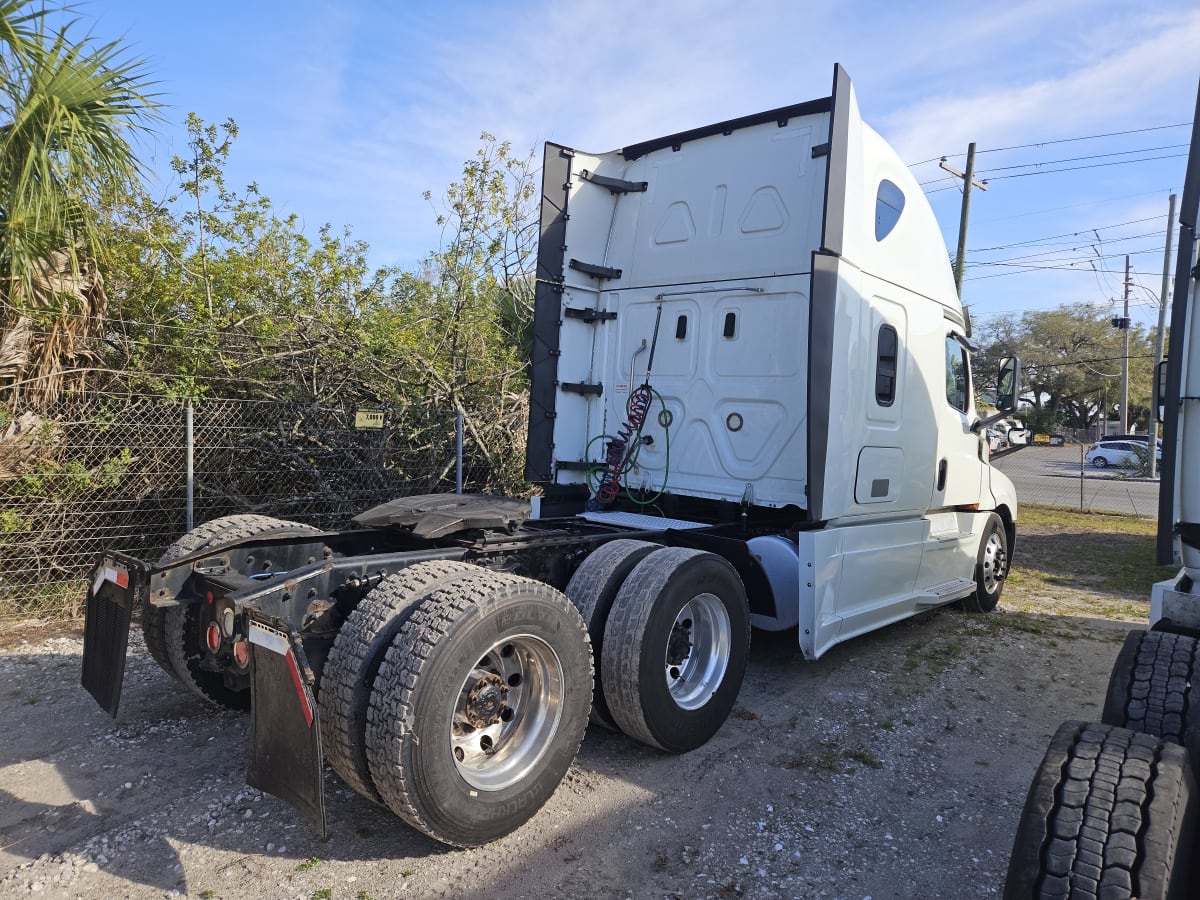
x=990, y=420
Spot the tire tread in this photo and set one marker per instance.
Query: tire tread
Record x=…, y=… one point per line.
x=1154, y=689
x=1111, y=813
x=354, y=660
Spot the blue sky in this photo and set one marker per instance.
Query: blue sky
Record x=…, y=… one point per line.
x=350, y=110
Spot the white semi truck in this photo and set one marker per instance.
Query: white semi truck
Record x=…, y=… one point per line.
x=752, y=405
x=1113, y=811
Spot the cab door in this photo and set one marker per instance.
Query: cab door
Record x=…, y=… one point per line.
x=958, y=467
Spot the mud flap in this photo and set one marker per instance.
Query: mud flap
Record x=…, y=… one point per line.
x=119, y=584
x=285, y=737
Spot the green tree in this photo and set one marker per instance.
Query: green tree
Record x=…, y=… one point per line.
x=1071, y=359
x=68, y=109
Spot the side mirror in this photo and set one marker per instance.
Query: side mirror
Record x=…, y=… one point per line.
x=1159, y=400
x=1008, y=384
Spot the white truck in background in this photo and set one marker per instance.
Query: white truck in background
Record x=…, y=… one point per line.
x=1113, y=810
x=752, y=404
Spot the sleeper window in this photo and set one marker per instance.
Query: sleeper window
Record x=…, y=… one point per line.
x=889, y=203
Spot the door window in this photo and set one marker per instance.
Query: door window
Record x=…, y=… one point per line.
x=958, y=374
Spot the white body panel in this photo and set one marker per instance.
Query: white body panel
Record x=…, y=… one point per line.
x=755, y=270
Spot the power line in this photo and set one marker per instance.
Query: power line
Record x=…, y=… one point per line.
x=1026, y=271
x=1052, y=162
x=1067, y=234
x=1067, y=250
x=1036, y=212
x=1115, y=162
x=1088, y=137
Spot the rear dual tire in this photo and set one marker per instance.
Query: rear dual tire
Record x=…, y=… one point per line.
x=479, y=707
x=348, y=678
x=676, y=642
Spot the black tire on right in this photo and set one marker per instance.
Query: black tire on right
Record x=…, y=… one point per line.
x=592, y=589
x=1155, y=689
x=358, y=650
x=1110, y=813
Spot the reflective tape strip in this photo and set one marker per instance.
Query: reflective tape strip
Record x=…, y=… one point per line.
x=268, y=638
x=119, y=577
x=300, y=692
x=277, y=642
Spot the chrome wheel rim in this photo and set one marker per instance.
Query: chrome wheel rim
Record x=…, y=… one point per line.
x=995, y=563
x=698, y=651
x=507, y=712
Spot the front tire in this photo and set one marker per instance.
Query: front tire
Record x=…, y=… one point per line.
x=479, y=707
x=675, y=649
x=1110, y=813
x=991, y=567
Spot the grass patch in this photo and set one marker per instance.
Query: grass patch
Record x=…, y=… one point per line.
x=1033, y=515
x=827, y=756
x=935, y=657
x=1094, y=552
x=311, y=863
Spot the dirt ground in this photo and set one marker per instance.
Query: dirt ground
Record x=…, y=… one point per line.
x=893, y=767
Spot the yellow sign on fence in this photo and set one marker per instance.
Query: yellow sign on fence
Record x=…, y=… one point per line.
x=368, y=418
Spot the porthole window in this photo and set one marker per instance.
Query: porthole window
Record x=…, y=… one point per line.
x=889, y=203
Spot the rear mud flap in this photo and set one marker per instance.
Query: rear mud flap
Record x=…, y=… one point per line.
x=119, y=583
x=285, y=737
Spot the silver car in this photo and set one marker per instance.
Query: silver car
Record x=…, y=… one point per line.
x=1130, y=454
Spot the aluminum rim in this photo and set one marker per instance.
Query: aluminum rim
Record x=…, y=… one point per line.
x=507, y=712
x=995, y=563
x=698, y=651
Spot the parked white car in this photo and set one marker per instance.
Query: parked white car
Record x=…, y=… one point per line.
x=1128, y=453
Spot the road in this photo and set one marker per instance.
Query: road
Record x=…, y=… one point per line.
x=1052, y=475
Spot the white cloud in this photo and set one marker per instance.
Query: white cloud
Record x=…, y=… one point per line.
x=1121, y=84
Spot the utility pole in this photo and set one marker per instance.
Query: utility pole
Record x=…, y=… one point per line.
x=1152, y=431
x=1125, y=355
x=968, y=180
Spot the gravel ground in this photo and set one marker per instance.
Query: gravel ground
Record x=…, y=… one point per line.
x=894, y=767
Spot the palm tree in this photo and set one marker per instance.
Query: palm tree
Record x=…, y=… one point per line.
x=68, y=110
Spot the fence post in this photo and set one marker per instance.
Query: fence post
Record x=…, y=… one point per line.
x=458, y=452
x=1082, y=508
x=191, y=446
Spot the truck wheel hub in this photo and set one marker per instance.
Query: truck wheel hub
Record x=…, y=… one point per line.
x=679, y=645
x=485, y=701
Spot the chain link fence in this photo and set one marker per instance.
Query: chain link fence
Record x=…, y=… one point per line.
x=103, y=472
x=1062, y=476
